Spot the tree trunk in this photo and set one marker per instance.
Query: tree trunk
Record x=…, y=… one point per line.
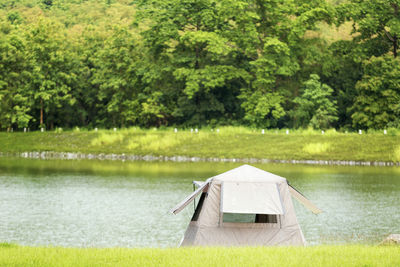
x=196, y=64
x=395, y=38
x=41, y=112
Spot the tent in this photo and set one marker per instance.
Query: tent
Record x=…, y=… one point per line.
x=245, y=206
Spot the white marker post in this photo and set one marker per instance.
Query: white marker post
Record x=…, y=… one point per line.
x=359, y=132
x=25, y=130
x=175, y=130
x=196, y=130
x=384, y=131
x=262, y=131
x=287, y=131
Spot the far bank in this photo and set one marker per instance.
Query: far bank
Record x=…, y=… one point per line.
x=221, y=144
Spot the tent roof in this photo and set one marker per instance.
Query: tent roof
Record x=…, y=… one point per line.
x=247, y=173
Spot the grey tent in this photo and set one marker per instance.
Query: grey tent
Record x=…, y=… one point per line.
x=245, y=206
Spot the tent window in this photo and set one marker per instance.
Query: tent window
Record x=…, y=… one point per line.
x=198, y=207
x=239, y=218
x=266, y=218
x=249, y=218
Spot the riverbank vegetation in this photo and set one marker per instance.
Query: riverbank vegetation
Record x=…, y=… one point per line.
x=224, y=142
x=11, y=255
x=268, y=64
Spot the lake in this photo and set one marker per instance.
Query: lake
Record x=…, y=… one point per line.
x=90, y=203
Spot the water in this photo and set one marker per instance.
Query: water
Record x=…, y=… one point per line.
x=126, y=204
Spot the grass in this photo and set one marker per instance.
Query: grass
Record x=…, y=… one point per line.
x=259, y=256
x=228, y=142
x=316, y=148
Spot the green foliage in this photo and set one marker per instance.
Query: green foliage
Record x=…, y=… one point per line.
x=14, y=75
x=316, y=108
x=50, y=66
x=377, y=24
x=240, y=47
x=14, y=17
x=263, y=109
x=341, y=70
x=190, y=58
x=375, y=34
x=100, y=63
x=377, y=104
x=115, y=76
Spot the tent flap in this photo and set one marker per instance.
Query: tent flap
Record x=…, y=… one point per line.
x=251, y=198
x=303, y=200
x=178, y=208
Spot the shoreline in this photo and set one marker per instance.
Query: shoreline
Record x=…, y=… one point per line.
x=130, y=157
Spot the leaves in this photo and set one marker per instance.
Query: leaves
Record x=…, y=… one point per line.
x=197, y=62
x=377, y=103
x=315, y=107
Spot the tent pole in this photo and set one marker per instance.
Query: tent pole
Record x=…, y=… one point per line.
x=194, y=200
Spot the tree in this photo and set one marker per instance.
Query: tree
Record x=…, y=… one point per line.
x=190, y=58
x=244, y=48
x=51, y=66
x=377, y=104
x=342, y=70
x=376, y=30
x=14, y=102
x=376, y=24
x=87, y=109
x=315, y=107
x=115, y=76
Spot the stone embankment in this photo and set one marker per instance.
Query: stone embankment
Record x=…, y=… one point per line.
x=127, y=157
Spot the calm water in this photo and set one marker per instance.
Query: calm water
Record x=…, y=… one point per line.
x=121, y=204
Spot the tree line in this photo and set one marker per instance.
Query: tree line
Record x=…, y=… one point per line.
x=263, y=63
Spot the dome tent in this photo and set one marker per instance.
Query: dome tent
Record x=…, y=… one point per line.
x=245, y=206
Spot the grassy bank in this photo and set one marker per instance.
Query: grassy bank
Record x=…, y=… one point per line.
x=228, y=142
x=278, y=256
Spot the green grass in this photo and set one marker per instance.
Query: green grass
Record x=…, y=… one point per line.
x=261, y=256
x=229, y=142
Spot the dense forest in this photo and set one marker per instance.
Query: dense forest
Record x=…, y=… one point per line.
x=263, y=63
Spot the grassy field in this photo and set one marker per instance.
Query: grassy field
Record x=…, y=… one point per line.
x=227, y=142
x=326, y=256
